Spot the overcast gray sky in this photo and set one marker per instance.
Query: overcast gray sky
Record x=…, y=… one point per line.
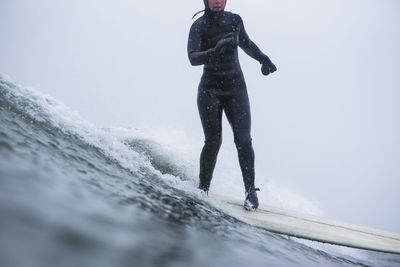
x=325, y=125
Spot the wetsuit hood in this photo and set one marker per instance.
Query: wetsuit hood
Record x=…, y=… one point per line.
x=205, y=4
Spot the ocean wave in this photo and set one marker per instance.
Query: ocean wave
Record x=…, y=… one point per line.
x=75, y=194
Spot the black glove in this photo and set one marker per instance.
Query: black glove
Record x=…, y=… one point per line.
x=230, y=40
x=268, y=67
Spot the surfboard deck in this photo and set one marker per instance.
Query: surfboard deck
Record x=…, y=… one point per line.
x=312, y=227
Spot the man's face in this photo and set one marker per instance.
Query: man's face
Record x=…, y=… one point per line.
x=216, y=5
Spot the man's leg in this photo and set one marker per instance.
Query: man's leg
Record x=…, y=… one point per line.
x=237, y=110
x=210, y=110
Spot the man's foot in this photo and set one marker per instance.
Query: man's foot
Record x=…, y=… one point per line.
x=203, y=190
x=251, y=201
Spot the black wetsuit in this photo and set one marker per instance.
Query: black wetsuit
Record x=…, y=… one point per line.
x=223, y=88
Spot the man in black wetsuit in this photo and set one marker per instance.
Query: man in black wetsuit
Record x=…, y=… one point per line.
x=213, y=42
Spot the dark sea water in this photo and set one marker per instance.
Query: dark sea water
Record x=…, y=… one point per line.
x=72, y=194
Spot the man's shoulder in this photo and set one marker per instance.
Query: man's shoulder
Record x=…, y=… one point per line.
x=198, y=25
x=235, y=17
x=231, y=14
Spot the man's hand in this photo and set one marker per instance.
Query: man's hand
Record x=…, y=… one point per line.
x=268, y=67
x=230, y=40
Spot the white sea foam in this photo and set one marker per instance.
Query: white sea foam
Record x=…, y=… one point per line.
x=183, y=151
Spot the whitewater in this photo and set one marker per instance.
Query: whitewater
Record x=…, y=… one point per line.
x=74, y=194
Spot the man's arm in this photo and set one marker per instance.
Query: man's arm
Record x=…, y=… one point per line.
x=196, y=56
x=253, y=51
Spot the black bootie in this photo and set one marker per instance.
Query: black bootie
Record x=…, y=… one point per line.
x=251, y=201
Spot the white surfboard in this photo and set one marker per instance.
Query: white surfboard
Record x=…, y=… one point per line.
x=313, y=228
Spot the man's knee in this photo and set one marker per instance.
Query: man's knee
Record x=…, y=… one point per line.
x=243, y=142
x=214, y=141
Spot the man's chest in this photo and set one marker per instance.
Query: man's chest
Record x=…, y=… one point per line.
x=214, y=32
